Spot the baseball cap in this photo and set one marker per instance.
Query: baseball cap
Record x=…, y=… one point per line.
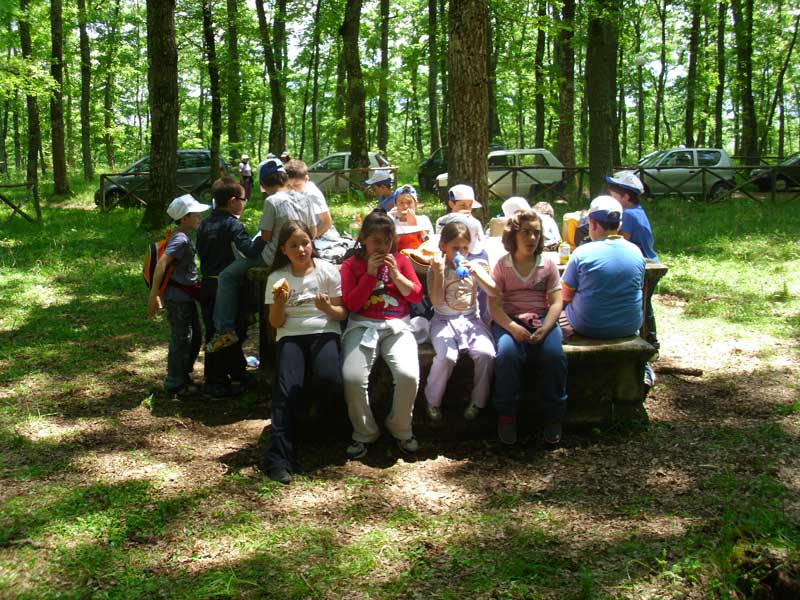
x=183, y=205
x=515, y=204
x=627, y=180
x=403, y=189
x=462, y=191
x=381, y=176
x=605, y=209
x=268, y=167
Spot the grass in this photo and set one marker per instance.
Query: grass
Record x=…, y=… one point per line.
x=109, y=491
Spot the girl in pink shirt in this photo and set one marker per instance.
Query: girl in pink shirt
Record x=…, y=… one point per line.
x=525, y=327
x=378, y=285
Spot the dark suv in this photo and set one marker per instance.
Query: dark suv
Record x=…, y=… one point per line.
x=437, y=163
x=132, y=187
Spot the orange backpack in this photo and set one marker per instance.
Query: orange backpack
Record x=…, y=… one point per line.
x=154, y=252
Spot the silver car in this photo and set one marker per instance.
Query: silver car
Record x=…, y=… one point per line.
x=331, y=174
x=519, y=172
x=706, y=172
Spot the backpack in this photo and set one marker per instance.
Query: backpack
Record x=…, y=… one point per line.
x=154, y=252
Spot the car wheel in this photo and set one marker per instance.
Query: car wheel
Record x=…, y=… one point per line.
x=719, y=191
x=113, y=198
x=781, y=184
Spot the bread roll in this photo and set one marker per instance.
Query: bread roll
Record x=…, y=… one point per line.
x=281, y=284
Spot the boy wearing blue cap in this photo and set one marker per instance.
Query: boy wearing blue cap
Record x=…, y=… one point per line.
x=380, y=184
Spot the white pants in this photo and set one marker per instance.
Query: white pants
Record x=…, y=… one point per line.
x=400, y=352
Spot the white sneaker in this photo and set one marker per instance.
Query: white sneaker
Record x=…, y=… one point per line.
x=408, y=446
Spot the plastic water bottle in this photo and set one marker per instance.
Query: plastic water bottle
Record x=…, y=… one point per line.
x=355, y=226
x=461, y=272
x=253, y=362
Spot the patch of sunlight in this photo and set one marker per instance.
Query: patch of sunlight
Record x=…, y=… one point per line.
x=54, y=428
x=91, y=527
x=430, y=489
x=114, y=467
x=669, y=480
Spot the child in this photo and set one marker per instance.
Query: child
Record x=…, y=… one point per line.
x=380, y=184
x=297, y=170
x=378, y=285
x=412, y=229
x=281, y=205
x=180, y=296
x=552, y=235
x=217, y=237
x=305, y=311
x=456, y=326
x=461, y=201
x=525, y=314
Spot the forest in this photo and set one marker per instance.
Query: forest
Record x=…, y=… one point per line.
x=314, y=77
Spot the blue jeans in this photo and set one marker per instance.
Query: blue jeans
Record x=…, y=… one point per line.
x=185, y=338
x=510, y=367
x=319, y=355
x=228, y=290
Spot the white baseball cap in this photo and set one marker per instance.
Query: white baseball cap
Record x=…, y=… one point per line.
x=183, y=205
x=515, y=204
x=462, y=191
x=381, y=176
x=605, y=209
x=627, y=180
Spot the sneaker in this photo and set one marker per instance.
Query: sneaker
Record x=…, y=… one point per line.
x=649, y=375
x=222, y=340
x=552, y=433
x=408, y=446
x=471, y=412
x=434, y=412
x=507, y=430
x=280, y=475
x=356, y=449
x=186, y=391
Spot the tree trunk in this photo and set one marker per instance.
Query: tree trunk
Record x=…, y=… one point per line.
x=34, y=137
x=356, y=121
x=600, y=60
x=201, y=101
x=383, y=75
x=210, y=45
x=691, y=76
x=467, y=140
x=637, y=34
x=69, y=127
x=565, y=147
x=3, y=132
x=662, y=76
x=339, y=105
x=60, y=179
x=415, y=118
x=538, y=70
x=433, y=111
x=722, y=9
x=233, y=80
x=743, y=31
x=162, y=79
x=15, y=128
x=491, y=67
x=108, y=88
x=86, y=90
x=443, y=52
x=315, y=87
x=621, y=134
x=272, y=61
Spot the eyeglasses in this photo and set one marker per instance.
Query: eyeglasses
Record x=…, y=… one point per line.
x=243, y=199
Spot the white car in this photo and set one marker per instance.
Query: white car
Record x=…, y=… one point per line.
x=518, y=173
x=332, y=175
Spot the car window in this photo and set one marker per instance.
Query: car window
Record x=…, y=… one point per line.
x=651, y=159
x=532, y=160
x=500, y=160
x=142, y=165
x=682, y=158
x=708, y=158
x=332, y=163
x=192, y=160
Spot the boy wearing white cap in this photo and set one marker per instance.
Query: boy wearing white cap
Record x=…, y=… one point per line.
x=180, y=295
x=380, y=184
x=602, y=284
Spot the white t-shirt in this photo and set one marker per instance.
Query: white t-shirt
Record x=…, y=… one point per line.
x=302, y=315
x=279, y=208
x=460, y=295
x=245, y=169
x=423, y=224
x=550, y=230
x=474, y=226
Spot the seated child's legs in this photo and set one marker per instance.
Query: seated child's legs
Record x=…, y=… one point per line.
x=228, y=288
x=550, y=357
x=184, y=343
x=356, y=366
x=482, y=353
x=509, y=368
x=326, y=370
x=401, y=353
x=286, y=391
x=443, y=363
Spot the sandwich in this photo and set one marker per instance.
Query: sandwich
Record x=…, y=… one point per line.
x=281, y=285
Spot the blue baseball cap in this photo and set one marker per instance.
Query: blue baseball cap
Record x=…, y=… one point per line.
x=605, y=209
x=268, y=167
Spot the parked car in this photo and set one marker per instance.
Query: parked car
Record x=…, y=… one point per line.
x=704, y=172
x=326, y=173
x=785, y=175
x=192, y=177
x=437, y=163
x=537, y=168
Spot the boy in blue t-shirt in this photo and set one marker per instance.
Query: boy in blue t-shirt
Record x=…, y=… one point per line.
x=179, y=298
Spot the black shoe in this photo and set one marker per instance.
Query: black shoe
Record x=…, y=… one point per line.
x=280, y=475
x=552, y=433
x=184, y=392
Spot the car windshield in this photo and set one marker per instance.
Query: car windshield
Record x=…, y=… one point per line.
x=651, y=159
x=791, y=159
